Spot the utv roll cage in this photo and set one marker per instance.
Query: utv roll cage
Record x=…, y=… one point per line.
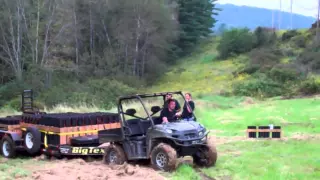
x=154, y=109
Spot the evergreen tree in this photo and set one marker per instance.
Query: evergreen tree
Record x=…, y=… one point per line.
x=196, y=22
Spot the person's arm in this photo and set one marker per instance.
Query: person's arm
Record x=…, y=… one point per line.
x=163, y=116
x=190, y=107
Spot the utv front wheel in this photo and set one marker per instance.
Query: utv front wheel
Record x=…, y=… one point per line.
x=164, y=157
x=114, y=154
x=206, y=156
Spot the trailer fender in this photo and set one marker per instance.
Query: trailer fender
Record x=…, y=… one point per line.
x=104, y=145
x=13, y=135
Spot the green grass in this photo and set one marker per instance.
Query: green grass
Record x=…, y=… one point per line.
x=262, y=159
x=185, y=172
x=268, y=160
x=221, y=102
x=294, y=157
x=17, y=168
x=294, y=116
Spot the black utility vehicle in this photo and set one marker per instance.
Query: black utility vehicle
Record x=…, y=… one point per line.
x=146, y=137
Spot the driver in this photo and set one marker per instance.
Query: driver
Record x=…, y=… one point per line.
x=168, y=97
x=169, y=114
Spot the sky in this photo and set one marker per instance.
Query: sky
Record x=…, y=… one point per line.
x=304, y=7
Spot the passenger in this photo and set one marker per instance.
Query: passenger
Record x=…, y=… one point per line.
x=169, y=114
x=188, y=108
x=168, y=97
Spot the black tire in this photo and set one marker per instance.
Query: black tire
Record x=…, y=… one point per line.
x=32, y=140
x=206, y=156
x=164, y=157
x=10, y=149
x=114, y=154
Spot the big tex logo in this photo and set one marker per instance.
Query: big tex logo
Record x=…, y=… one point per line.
x=87, y=150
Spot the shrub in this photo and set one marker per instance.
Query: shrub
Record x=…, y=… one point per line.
x=259, y=86
x=299, y=41
x=102, y=93
x=284, y=73
x=310, y=86
x=236, y=41
x=264, y=58
x=264, y=36
x=10, y=91
x=309, y=61
x=289, y=34
x=15, y=104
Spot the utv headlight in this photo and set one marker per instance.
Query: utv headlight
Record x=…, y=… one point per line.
x=200, y=133
x=169, y=131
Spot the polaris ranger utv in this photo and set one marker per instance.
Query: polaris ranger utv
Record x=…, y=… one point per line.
x=143, y=136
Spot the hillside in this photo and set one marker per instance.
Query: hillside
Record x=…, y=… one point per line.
x=252, y=17
x=276, y=69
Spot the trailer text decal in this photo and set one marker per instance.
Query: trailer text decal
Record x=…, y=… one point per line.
x=87, y=150
x=82, y=150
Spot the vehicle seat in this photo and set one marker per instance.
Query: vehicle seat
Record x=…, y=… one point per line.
x=145, y=124
x=156, y=120
x=134, y=125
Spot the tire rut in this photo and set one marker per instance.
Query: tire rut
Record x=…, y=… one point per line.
x=203, y=175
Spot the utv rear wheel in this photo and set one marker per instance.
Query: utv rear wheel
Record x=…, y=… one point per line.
x=114, y=154
x=164, y=157
x=206, y=156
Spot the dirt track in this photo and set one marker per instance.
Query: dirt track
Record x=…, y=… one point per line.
x=78, y=169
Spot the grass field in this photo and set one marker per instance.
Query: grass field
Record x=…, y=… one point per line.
x=294, y=157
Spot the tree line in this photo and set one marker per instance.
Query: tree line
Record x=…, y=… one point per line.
x=98, y=38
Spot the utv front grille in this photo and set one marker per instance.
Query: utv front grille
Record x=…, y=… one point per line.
x=190, y=135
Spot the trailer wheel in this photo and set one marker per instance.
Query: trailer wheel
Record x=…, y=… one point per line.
x=164, y=157
x=8, y=149
x=32, y=140
x=114, y=154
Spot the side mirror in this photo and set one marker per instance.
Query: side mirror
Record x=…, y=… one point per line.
x=155, y=109
x=131, y=112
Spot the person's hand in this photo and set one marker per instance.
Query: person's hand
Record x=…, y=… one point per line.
x=178, y=114
x=165, y=120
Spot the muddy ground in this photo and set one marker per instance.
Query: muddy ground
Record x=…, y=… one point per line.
x=80, y=169
x=94, y=169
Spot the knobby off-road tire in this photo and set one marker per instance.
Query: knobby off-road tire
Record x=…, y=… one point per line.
x=7, y=147
x=114, y=154
x=32, y=140
x=206, y=156
x=164, y=157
